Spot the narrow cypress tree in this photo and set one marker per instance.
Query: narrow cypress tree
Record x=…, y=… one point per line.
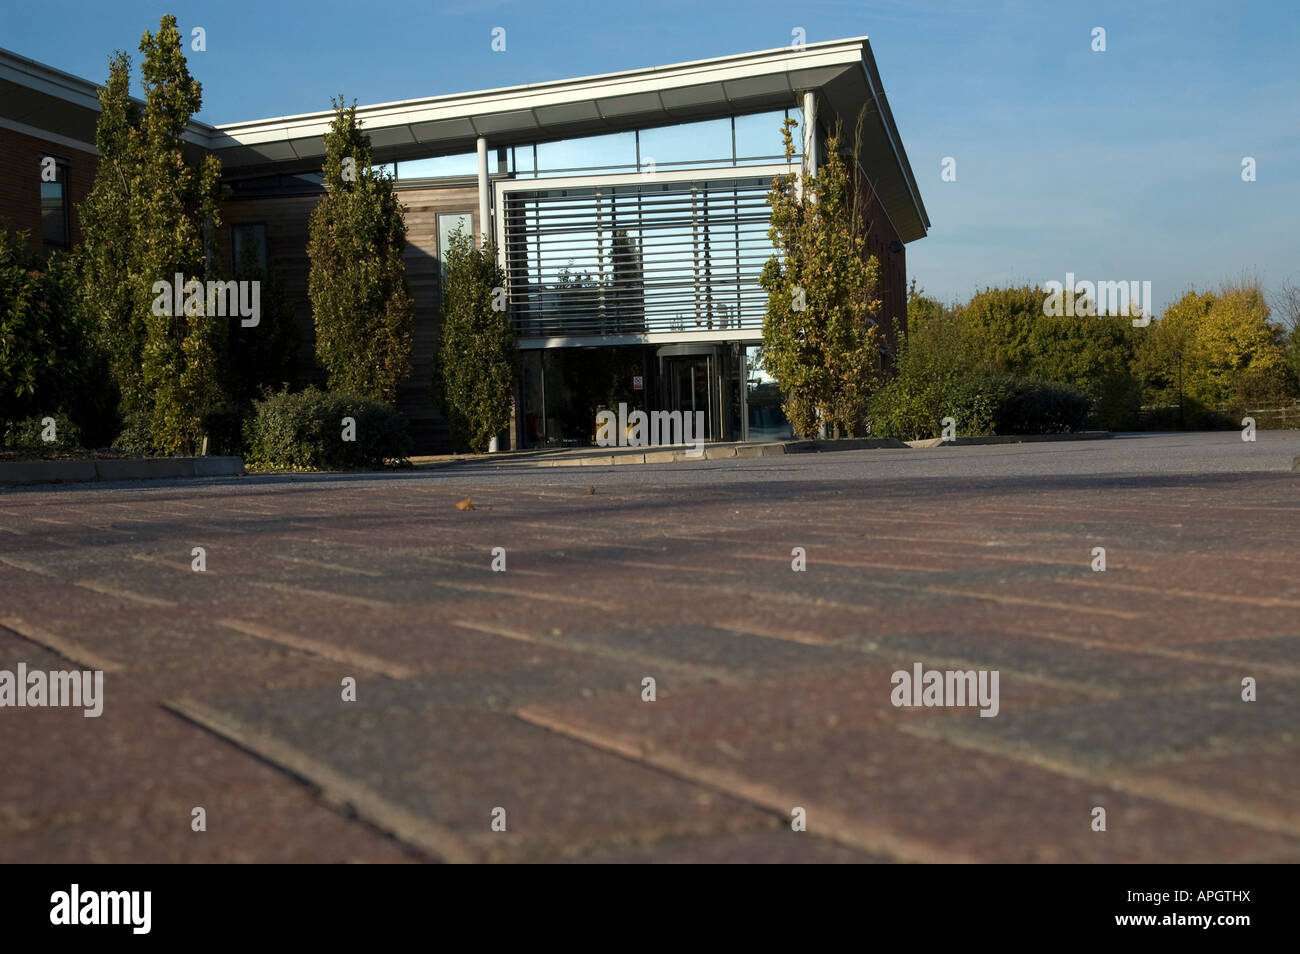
x=107, y=255
x=361, y=306
x=477, y=361
x=146, y=220
x=179, y=210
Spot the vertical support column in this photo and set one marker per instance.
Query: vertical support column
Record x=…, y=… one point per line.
x=810, y=139
x=484, y=196
x=810, y=145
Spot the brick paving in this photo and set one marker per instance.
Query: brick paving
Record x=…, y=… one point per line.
x=522, y=690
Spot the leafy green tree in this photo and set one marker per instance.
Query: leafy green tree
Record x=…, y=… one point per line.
x=477, y=362
x=1225, y=346
x=819, y=334
x=1009, y=332
x=46, y=361
x=147, y=220
x=932, y=354
x=1004, y=333
x=108, y=256
x=361, y=305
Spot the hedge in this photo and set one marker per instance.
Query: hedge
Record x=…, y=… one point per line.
x=303, y=430
x=981, y=404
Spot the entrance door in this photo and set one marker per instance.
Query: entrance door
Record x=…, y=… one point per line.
x=689, y=379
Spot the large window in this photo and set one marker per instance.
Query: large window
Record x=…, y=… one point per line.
x=449, y=223
x=616, y=151
x=247, y=244
x=462, y=164
x=763, y=398
x=706, y=143
x=758, y=136
x=753, y=139
x=633, y=257
x=54, y=207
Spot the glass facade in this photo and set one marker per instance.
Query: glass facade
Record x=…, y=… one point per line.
x=639, y=252
x=766, y=421
x=615, y=152
x=637, y=257
x=752, y=139
x=463, y=164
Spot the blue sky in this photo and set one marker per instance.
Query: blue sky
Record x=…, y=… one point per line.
x=1122, y=165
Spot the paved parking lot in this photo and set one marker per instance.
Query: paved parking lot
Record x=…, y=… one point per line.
x=519, y=696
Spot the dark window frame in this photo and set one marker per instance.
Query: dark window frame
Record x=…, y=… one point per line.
x=265, y=245
x=64, y=166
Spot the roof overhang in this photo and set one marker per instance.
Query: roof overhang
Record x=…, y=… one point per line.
x=842, y=72
x=40, y=101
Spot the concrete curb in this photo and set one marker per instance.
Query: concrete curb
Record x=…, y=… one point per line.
x=668, y=455
x=1011, y=439
x=19, y=472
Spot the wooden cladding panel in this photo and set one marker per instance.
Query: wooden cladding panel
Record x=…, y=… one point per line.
x=287, y=219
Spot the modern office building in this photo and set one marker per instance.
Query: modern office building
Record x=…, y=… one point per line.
x=629, y=210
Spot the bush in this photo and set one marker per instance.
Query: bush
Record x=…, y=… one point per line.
x=907, y=409
x=27, y=434
x=47, y=359
x=304, y=430
x=981, y=404
x=976, y=402
x=1042, y=407
x=1194, y=416
x=135, y=438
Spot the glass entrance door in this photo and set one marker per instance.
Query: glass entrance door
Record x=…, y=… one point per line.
x=690, y=387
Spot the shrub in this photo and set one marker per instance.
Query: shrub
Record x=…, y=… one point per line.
x=47, y=358
x=135, y=438
x=26, y=433
x=907, y=408
x=304, y=430
x=981, y=404
x=977, y=402
x=1042, y=407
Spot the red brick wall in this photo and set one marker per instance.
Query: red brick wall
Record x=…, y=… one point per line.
x=20, y=182
x=893, y=265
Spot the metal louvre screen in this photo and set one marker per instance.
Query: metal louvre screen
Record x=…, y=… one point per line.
x=641, y=257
